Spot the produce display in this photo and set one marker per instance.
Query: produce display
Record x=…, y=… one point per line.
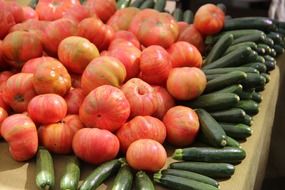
x=113, y=83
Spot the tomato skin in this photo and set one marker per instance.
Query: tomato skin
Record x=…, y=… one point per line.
x=209, y=19
x=141, y=127
x=77, y=13
x=105, y=107
x=47, y=108
x=95, y=145
x=3, y=64
x=104, y=70
x=155, y=65
x=74, y=99
x=75, y=80
x=182, y=26
x=16, y=10
x=31, y=65
x=125, y=35
x=57, y=137
x=29, y=13
x=141, y=97
x=186, y=83
x=146, y=154
x=182, y=125
x=21, y=134
x=183, y=54
x=7, y=20
x=3, y=116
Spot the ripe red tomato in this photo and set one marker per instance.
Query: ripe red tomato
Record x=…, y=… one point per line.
x=7, y=20
x=209, y=19
x=141, y=97
x=31, y=65
x=29, y=13
x=77, y=13
x=16, y=10
x=182, y=125
x=3, y=115
x=21, y=134
x=76, y=53
x=105, y=107
x=141, y=127
x=51, y=77
x=74, y=99
x=103, y=70
x=95, y=145
x=57, y=137
x=146, y=154
x=186, y=83
x=183, y=54
x=164, y=28
x=182, y=26
x=128, y=36
x=155, y=65
x=47, y=108
x=3, y=64
x=37, y=26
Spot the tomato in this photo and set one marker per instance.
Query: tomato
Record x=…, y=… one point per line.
x=3, y=104
x=31, y=65
x=54, y=9
x=186, y=83
x=191, y=35
x=105, y=107
x=122, y=19
x=146, y=154
x=21, y=134
x=37, y=26
x=7, y=20
x=3, y=115
x=20, y=46
x=75, y=80
x=126, y=35
x=18, y=91
x=183, y=54
x=164, y=101
x=103, y=9
x=155, y=65
x=141, y=127
x=182, y=125
x=118, y=43
x=182, y=26
x=95, y=145
x=51, y=77
x=76, y=53
x=77, y=13
x=209, y=19
x=141, y=97
x=74, y=99
x=3, y=64
x=57, y=137
x=164, y=28
x=103, y=70
x=16, y=10
x=4, y=75
x=47, y=108
x=29, y=13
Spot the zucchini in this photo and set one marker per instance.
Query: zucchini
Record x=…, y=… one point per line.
x=237, y=130
x=214, y=170
x=175, y=182
x=234, y=77
x=231, y=115
x=270, y=65
x=269, y=58
x=256, y=97
x=232, y=142
x=70, y=179
x=230, y=69
x=255, y=37
x=211, y=129
x=191, y=175
x=279, y=49
x=252, y=45
x=261, y=67
x=188, y=16
x=268, y=41
x=178, y=14
x=273, y=53
x=261, y=51
x=249, y=106
x=137, y=3
x=143, y=182
x=252, y=80
x=124, y=179
x=247, y=120
x=147, y=4
x=223, y=7
x=101, y=173
x=211, y=77
x=236, y=88
x=266, y=76
x=245, y=94
x=45, y=171
x=276, y=37
x=160, y=5
x=266, y=47
x=123, y=4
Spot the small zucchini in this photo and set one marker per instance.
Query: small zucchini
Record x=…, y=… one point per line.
x=143, y=182
x=188, y=16
x=261, y=67
x=178, y=14
x=70, y=179
x=249, y=106
x=252, y=45
x=237, y=130
x=160, y=5
x=124, y=179
x=236, y=88
x=232, y=142
x=256, y=97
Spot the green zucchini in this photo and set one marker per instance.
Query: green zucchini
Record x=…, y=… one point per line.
x=213, y=170
x=266, y=76
x=45, y=179
x=252, y=45
x=269, y=58
x=178, y=14
x=143, y=182
x=252, y=80
x=245, y=94
x=160, y=5
x=266, y=47
x=232, y=142
x=123, y=4
x=276, y=37
x=236, y=88
x=270, y=65
x=147, y=4
x=237, y=130
x=256, y=97
x=249, y=106
x=261, y=67
x=273, y=53
x=268, y=41
x=175, y=182
x=211, y=129
x=255, y=37
x=137, y=3
x=191, y=175
x=101, y=173
x=279, y=49
x=124, y=179
x=230, y=115
x=230, y=69
x=70, y=179
x=247, y=120
x=188, y=16
x=260, y=51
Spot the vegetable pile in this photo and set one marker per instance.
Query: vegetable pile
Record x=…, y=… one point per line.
x=111, y=83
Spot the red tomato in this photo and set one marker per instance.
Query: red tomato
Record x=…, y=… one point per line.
x=164, y=28
x=77, y=13
x=164, y=101
x=47, y=108
x=51, y=77
x=141, y=127
x=19, y=91
x=128, y=36
x=74, y=99
x=54, y=9
x=76, y=53
x=103, y=70
x=105, y=107
x=37, y=26
x=31, y=65
x=155, y=65
x=4, y=75
x=182, y=125
x=16, y=10
x=3, y=64
x=103, y=9
x=122, y=19
x=3, y=104
x=3, y=115
x=7, y=20
x=209, y=19
x=146, y=154
x=182, y=26
x=21, y=134
x=29, y=13
x=183, y=54
x=186, y=83
x=141, y=97
x=95, y=145
x=75, y=80
x=57, y=137
x=20, y=46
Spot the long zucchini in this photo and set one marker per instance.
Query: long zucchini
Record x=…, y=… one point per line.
x=143, y=182
x=70, y=179
x=236, y=115
x=237, y=131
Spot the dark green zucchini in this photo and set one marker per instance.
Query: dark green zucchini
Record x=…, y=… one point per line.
x=266, y=47
x=237, y=130
x=255, y=37
x=143, y=182
x=232, y=142
x=123, y=179
x=279, y=49
x=230, y=69
x=160, y=5
x=261, y=67
x=269, y=58
x=252, y=45
x=178, y=14
x=188, y=16
x=270, y=65
x=245, y=94
x=249, y=106
x=266, y=76
x=273, y=53
x=252, y=80
x=137, y=3
x=236, y=88
x=70, y=179
x=256, y=97
x=276, y=37
x=147, y=4
x=236, y=115
x=268, y=41
x=247, y=120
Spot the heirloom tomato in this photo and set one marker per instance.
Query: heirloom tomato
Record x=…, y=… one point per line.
x=3, y=115
x=29, y=13
x=7, y=20
x=74, y=99
x=31, y=65
x=125, y=35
